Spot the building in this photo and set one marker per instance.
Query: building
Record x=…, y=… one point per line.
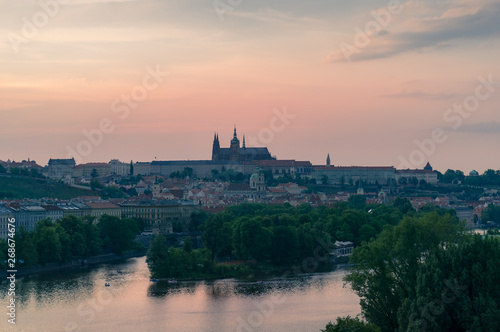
x=90, y=169
x=5, y=215
x=25, y=164
x=142, y=168
x=427, y=175
x=338, y=175
x=159, y=215
x=53, y=212
x=119, y=168
x=258, y=181
x=60, y=168
x=74, y=209
x=343, y=249
x=235, y=152
x=27, y=216
x=200, y=168
x=98, y=209
x=466, y=213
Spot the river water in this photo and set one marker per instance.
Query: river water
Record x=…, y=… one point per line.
x=81, y=302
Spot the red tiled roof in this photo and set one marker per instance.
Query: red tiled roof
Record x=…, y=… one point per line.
x=354, y=167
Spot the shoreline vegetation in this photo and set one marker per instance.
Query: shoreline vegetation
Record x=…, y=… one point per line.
x=275, y=239
x=70, y=241
x=426, y=273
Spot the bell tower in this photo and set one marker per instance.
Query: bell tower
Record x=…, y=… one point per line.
x=235, y=146
x=215, y=147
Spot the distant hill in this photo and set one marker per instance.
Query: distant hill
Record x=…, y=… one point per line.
x=16, y=187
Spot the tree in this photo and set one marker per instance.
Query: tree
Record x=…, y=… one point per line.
x=47, y=242
x=112, y=192
x=158, y=257
x=385, y=271
x=94, y=174
x=348, y=324
x=26, y=252
x=366, y=233
x=403, y=204
x=285, y=246
x=324, y=179
x=95, y=184
x=456, y=289
x=118, y=234
x=188, y=245
x=357, y=202
x=218, y=235
x=251, y=239
x=197, y=219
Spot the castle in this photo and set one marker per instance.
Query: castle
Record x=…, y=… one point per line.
x=237, y=153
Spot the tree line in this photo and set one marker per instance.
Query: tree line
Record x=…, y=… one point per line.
x=283, y=235
x=425, y=274
x=72, y=238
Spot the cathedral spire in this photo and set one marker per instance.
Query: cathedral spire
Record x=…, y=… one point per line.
x=244, y=142
x=234, y=135
x=328, y=160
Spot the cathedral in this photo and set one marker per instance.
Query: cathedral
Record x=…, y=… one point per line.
x=237, y=153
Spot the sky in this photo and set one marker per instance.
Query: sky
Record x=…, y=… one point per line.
x=372, y=83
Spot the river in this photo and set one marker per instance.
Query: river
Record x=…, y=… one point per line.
x=81, y=302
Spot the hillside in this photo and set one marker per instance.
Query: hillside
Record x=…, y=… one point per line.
x=16, y=187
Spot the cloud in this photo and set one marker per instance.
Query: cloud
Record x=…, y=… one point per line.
x=492, y=127
x=417, y=94
x=466, y=20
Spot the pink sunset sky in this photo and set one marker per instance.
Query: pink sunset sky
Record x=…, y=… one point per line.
x=241, y=62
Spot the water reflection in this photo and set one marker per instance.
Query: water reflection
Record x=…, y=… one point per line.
x=132, y=302
x=234, y=287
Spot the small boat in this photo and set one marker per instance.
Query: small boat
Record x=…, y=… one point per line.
x=154, y=280
x=172, y=281
x=107, y=284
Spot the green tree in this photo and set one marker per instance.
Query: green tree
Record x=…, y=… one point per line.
x=188, y=245
x=403, y=204
x=118, y=234
x=217, y=235
x=94, y=174
x=95, y=184
x=457, y=289
x=92, y=240
x=357, y=202
x=158, y=258
x=26, y=252
x=348, y=324
x=385, y=270
x=285, y=246
x=366, y=233
x=197, y=219
x=251, y=239
x=47, y=242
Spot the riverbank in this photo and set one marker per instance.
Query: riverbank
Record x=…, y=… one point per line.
x=79, y=264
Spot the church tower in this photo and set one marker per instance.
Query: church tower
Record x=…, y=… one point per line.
x=328, y=160
x=235, y=146
x=215, y=147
